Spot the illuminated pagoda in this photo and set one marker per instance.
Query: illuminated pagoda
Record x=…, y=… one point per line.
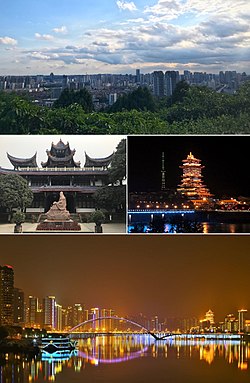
x=61, y=173
x=192, y=185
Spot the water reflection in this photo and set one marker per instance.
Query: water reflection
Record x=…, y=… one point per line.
x=121, y=350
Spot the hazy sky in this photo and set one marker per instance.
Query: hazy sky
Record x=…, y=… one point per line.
x=26, y=146
x=169, y=276
x=118, y=36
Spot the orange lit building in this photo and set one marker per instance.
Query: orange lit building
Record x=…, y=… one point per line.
x=192, y=185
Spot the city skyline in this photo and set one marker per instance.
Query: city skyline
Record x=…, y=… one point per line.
x=165, y=285
x=121, y=36
x=224, y=171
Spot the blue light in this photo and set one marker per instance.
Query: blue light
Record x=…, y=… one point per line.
x=161, y=211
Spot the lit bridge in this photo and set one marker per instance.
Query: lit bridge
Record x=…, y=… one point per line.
x=156, y=336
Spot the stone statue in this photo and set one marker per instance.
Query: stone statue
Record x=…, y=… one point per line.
x=58, y=211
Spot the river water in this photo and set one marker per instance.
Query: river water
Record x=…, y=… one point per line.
x=207, y=228
x=137, y=359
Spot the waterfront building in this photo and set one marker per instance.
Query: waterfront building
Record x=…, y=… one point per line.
x=209, y=316
x=58, y=317
x=60, y=172
x=49, y=313
x=241, y=319
x=231, y=324
x=78, y=314
x=32, y=311
x=6, y=295
x=192, y=185
x=19, y=310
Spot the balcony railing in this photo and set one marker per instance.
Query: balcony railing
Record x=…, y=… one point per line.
x=65, y=169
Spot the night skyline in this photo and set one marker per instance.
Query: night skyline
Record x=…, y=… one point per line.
x=184, y=278
x=225, y=161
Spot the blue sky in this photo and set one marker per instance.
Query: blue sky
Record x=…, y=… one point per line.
x=118, y=36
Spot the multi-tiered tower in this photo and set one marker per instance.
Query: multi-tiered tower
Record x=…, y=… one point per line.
x=192, y=185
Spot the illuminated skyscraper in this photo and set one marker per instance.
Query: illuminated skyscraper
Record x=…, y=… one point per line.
x=49, y=312
x=18, y=306
x=32, y=311
x=209, y=316
x=6, y=295
x=192, y=185
x=78, y=314
x=241, y=318
x=58, y=317
x=163, y=172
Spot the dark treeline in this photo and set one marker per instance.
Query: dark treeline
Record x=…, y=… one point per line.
x=191, y=110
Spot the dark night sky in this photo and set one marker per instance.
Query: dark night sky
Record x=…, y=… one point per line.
x=226, y=161
x=168, y=276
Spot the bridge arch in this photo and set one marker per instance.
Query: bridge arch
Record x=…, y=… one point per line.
x=147, y=331
x=110, y=317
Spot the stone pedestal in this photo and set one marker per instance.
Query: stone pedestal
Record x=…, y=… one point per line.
x=49, y=225
x=58, y=218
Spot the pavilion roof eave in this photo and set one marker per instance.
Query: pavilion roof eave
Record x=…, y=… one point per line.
x=16, y=161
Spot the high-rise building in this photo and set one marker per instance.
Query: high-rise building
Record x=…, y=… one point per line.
x=58, y=317
x=163, y=172
x=49, y=312
x=158, y=84
x=6, y=295
x=138, y=76
x=230, y=323
x=192, y=185
x=32, y=311
x=209, y=316
x=241, y=320
x=78, y=314
x=95, y=314
x=172, y=77
x=18, y=306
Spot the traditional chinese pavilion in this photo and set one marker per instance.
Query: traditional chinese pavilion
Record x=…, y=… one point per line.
x=192, y=185
x=59, y=173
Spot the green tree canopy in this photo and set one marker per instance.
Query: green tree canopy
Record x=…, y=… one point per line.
x=14, y=192
x=81, y=97
x=111, y=198
x=140, y=99
x=117, y=170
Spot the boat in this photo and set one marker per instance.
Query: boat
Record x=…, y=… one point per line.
x=57, y=343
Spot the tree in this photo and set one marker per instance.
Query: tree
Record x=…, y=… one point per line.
x=180, y=92
x=117, y=170
x=140, y=99
x=81, y=97
x=14, y=192
x=111, y=198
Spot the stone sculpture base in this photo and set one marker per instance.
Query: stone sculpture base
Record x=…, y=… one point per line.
x=48, y=225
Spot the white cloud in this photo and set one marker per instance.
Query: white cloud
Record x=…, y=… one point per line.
x=45, y=37
x=61, y=29
x=169, y=9
x=124, y=5
x=39, y=56
x=8, y=40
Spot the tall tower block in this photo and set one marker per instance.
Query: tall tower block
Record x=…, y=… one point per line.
x=163, y=172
